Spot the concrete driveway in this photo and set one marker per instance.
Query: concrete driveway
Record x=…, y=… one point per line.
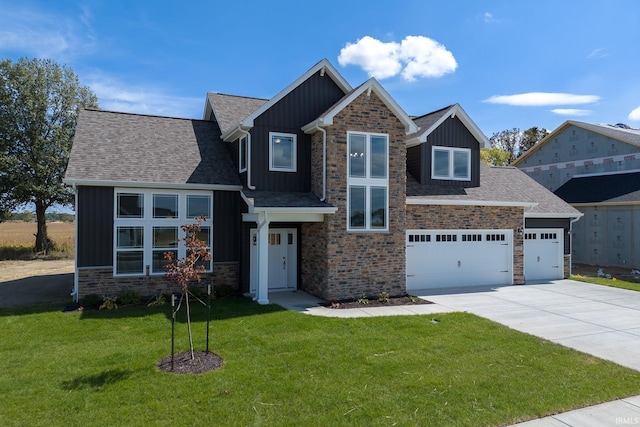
x=598, y=320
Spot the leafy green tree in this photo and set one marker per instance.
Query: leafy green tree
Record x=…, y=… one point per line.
x=494, y=156
x=531, y=137
x=516, y=142
x=39, y=105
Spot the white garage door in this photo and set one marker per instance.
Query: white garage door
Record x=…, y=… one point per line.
x=455, y=258
x=543, y=254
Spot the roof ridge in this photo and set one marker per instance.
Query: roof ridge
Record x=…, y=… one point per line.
x=238, y=96
x=125, y=113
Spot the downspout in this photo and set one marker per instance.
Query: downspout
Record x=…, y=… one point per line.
x=324, y=162
x=571, y=222
x=74, y=292
x=248, y=135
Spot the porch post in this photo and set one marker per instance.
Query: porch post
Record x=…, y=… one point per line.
x=262, y=285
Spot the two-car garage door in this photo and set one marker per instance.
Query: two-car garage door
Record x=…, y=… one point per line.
x=462, y=258
x=456, y=258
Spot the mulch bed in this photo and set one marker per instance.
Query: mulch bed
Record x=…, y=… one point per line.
x=183, y=364
x=374, y=302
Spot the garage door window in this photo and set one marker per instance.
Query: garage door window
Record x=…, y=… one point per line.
x=368, y=182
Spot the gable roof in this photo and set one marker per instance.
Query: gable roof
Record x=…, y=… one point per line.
x=229, y=110
x=430, y=122
x=630, y=136
x=323, y=67
x=499, y=186
x=125, y=149
x=371, y=85
x=620, y=187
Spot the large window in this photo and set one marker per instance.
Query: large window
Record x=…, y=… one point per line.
x=282, y=152
x=147, y=224
x=451, y=163
x=367, y=181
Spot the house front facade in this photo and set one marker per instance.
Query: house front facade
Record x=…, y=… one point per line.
x=326, y=188
x=596, y=169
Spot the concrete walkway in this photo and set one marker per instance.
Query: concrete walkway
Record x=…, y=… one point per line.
x=594, y=319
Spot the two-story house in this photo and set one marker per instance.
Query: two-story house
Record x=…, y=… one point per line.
x=327, y=188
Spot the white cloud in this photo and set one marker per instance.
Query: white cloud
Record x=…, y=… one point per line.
x=635, y=114
x=377, y=58
x=488, y=17
x=114, y=95
x=414, y=57
x=537, y=99
x=597, y=53
x=571, y=112
x=44, y=35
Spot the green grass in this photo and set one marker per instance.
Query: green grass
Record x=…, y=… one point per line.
x=288, y=369
x=613, y=282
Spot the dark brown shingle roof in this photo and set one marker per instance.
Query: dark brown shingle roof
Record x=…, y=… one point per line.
x=498, y=184
x=272, y=199
x=133, y=148
x=229, y=110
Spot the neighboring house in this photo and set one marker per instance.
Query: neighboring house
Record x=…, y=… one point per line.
x=324, y=187
x=595, y=168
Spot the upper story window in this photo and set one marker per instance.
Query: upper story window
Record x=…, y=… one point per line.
x=451, y=163
x=148, y=223
x=282, y=152
x=242, y=154
x=367, y=181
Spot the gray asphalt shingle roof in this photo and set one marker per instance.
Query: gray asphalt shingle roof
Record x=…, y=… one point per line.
x=133, y=148
x=497, y=184
x=424, y=122
x=272, y=199
x=229, y=110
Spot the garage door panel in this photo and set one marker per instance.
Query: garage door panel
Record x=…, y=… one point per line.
x=543, y=254
x=456, y=258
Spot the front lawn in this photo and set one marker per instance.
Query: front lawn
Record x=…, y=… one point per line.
x=613, y=282
x=287, y=368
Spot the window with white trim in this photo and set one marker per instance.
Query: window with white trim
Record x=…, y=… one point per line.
x=147, y=223
x=451, y=163
x=242, y=154
x=282, y=152
x=367, y=181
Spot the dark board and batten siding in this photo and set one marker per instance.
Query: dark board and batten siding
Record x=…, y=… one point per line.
x=300, y=107
x=95, y=226
x=451, y=133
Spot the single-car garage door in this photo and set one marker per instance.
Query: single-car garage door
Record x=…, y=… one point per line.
x=455, y=258
x=543, y=254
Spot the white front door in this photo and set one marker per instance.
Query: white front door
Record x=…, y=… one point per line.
x=543, y=254
x=282, y=258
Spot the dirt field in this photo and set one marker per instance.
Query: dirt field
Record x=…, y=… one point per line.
x=12, y=270
x=21, y=233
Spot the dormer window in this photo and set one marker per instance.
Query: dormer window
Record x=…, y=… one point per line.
x=451, y=163
x=282, y=152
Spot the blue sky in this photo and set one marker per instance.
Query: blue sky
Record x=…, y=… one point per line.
x=508, y=63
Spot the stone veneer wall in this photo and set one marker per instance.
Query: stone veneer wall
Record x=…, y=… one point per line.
x=337, y=264
x=100, y=280
x=442, y=217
